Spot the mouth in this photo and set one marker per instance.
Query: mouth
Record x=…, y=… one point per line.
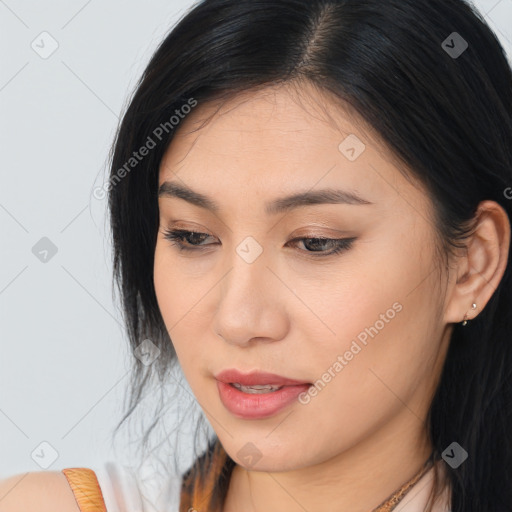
x=258, y=389
x=257, y=379
x=257, y=395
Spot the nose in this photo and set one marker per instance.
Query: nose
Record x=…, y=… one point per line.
x=251, y=304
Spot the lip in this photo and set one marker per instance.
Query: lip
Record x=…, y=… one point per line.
x=261, y=405
x=255, y=406
x=255, y=378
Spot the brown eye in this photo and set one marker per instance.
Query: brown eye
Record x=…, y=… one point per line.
x=186, y=240
x=339, y=245
x=192, y=239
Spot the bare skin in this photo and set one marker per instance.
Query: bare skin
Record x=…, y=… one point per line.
x=292, y=312
x=358, y=439
x=37, y=491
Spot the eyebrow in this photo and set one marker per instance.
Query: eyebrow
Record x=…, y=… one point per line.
x=280, y=205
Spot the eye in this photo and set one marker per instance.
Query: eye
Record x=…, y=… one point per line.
x=338, y=244
x=177, y=237
x=186, y=240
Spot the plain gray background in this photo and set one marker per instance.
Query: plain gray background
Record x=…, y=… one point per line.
x=64, y=359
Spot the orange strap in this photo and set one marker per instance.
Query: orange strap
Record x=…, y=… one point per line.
x=86, y=488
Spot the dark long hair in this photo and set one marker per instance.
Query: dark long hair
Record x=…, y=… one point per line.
x=443, y=109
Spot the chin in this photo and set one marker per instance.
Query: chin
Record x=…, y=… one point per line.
x=264, y=456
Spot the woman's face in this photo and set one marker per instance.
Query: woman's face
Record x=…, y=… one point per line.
x=259, y=293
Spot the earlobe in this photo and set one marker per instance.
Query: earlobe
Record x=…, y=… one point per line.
x=483, y=265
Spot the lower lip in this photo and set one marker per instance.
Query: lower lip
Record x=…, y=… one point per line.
x=261, y=405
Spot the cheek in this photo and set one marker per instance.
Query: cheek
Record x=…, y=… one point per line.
x=384, y=363
x=172, y=295
x=381, y=325
x=181, y=297
x=165, y=282
x=176, y=291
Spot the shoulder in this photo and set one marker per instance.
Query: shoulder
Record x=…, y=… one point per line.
x=39, y=491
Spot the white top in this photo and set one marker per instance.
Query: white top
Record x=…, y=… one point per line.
x=123, y=491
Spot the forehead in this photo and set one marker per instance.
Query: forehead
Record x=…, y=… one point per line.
x=288, y=117
x=281, y=138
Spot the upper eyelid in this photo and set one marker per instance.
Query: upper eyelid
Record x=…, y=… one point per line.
x=301, y=237
x=177, y=233
x=341, y=244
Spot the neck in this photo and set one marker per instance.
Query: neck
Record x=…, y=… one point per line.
x=358, y=479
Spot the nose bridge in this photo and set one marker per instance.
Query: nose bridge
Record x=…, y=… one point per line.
x=248, y=262
x=247, y=297
x=244, y=287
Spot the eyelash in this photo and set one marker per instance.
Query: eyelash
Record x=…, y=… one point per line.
x=176, y=236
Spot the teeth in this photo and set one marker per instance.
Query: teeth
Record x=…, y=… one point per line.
x=266, y=388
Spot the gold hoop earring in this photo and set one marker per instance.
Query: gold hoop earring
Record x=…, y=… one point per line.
x=464, y=322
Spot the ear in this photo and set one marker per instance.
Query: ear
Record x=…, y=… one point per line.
x=480, y=267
